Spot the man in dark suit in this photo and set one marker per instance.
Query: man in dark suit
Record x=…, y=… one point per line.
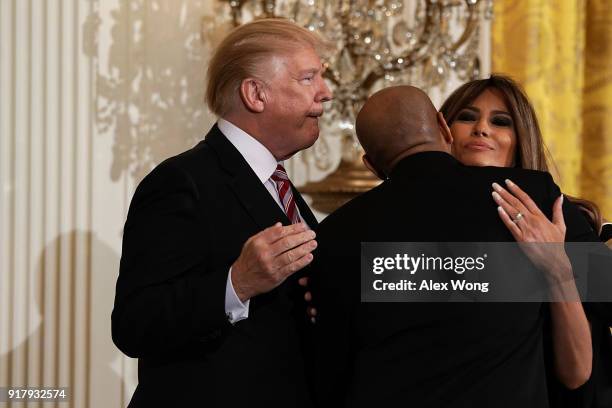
x=206, y=297
x=424, y=354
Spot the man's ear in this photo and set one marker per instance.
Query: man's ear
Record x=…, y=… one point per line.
x=444, y=129
x=370, y=166
x=253, y=95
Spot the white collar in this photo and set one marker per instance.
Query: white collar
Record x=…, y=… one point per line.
x=256, y=155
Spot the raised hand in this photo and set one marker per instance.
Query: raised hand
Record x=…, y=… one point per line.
x=270, y=257
x=540, y=239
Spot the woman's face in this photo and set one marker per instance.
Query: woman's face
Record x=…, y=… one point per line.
x=483, y=132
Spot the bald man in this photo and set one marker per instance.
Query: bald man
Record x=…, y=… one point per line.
x=423, y=354
x=397, y=122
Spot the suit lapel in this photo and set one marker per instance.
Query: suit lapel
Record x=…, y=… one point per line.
x=253, y=195
x=255, y=199
x=245, y=184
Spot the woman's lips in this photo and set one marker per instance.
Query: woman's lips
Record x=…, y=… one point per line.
x=478, y=146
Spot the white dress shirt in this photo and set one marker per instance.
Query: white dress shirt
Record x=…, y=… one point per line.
x=263, y=163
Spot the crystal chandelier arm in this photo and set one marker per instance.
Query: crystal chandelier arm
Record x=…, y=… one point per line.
x=331, y=74
x=420, y=51
x=433, y=8
x=269, y=8
x=372, y=78
x=236, y=7
x=471, y=25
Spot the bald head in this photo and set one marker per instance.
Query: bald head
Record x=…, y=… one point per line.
x=398, y=121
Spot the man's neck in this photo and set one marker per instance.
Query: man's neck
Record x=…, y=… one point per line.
x=418, y=148
x=252, y=128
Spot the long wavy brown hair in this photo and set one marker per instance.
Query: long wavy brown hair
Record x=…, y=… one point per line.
x=531, y=153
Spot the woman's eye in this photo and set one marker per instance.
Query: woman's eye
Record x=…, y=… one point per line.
x=466, y=116
x=502, y=121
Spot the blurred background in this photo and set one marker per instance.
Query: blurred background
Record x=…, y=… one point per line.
x=95, y=93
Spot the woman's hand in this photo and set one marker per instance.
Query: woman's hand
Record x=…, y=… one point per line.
x=540, y=239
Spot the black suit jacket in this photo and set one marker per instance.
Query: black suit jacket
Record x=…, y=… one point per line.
x=187, y=223
x=427, y=354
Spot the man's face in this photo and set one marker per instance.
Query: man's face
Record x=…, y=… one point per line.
x=295, y=91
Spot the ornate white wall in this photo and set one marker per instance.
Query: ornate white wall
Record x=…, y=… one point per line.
x=93, y=93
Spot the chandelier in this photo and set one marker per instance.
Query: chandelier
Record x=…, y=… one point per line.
x=377, y=43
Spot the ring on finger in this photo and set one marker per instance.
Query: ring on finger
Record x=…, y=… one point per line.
x=519, y=216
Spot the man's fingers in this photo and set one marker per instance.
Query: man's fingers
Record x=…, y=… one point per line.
x=510, y=199
x=511, y=225
x=278, y=231
x=292, y=255
x=291, y=241
x=303, y=281
x=308, y=296
x=557, y=217
x=296, y=265
x=270, y=231
x=523, y=196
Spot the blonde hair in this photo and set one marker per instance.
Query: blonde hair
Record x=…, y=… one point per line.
x=241, y=55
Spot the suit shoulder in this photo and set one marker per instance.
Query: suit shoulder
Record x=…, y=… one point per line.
x=536, y=175
x=193, y=159
x=184, y=165
x=543, y=177
x=529, y=180
x=354, y=210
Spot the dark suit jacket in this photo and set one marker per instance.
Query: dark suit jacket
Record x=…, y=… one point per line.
x=427, y=354
x=187, y=223
x=597, y=391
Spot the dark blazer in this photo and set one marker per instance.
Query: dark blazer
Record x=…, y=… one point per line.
x=186, y=225
x=597, y=391
x=427, y=354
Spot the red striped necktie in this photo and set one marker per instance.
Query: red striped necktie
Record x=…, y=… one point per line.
x=285, y=193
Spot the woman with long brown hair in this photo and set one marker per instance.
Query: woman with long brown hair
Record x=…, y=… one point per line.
x=494, y=124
